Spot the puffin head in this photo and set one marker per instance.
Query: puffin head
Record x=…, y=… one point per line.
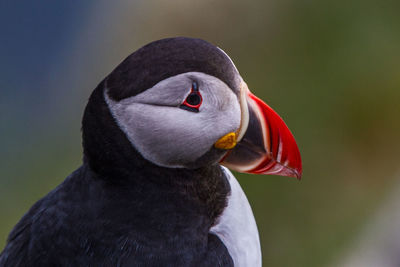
x=181, y=103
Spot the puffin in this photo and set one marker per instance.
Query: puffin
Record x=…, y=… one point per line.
x=159, y=136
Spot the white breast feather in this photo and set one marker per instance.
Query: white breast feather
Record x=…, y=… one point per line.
x=237, y=228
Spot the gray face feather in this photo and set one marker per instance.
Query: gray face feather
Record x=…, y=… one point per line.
x=168, y=135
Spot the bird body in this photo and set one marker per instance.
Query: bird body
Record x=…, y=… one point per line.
x=88, y=221
x=151, y=190
x=237, y=228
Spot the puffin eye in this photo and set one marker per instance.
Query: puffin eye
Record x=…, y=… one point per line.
x=193, y=100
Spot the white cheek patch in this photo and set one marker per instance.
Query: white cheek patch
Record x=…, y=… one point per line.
x=172, y=137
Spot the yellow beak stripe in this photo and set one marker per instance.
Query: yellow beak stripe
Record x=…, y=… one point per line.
x=227, y=141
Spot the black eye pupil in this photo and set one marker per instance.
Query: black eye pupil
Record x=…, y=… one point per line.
x=193, y=99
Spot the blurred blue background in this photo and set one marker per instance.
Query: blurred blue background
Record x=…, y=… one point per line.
x=331, y=69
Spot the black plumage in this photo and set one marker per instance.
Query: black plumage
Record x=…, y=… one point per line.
x=169, y=57
x=118, y=209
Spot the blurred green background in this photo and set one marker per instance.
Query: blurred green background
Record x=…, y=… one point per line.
x=331, y=69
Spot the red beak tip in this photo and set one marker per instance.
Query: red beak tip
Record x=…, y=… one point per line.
x=290, y=172
x=296, y=173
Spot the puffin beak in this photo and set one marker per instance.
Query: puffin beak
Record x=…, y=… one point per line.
x=265, y=144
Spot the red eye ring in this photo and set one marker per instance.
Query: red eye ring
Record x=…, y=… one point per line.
x=194, y=100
